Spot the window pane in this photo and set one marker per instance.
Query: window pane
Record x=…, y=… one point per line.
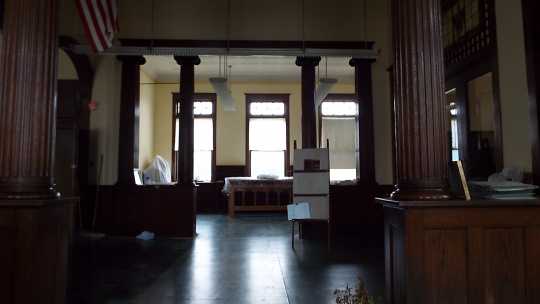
x=455, y=135
x=340, y=108
x=264, y=162
x=202, y=108
x=267, y=134
x=267, y=108
x=177, y=134
x=202, y=166
x=203, y=131
x=455, y=155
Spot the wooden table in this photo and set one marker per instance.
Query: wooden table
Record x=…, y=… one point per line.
x=238, y=189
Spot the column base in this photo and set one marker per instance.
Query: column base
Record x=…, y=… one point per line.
x=421, y=191
x=27, y=188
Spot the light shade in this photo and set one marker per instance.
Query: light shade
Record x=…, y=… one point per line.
x=224, y=94
x=325, y=86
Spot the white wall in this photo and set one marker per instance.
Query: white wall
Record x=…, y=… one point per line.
x=146, y=121
x=250, y=20
x=66, y=69
x=105, y=120
x=517, y=148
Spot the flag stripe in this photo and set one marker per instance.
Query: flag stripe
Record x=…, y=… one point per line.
x=99, y=18
x=105, y=13
x=97, y=27
x=89, y=30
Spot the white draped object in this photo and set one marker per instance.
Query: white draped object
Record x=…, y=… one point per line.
x=159, y=172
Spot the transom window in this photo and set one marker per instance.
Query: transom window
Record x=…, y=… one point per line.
x=338, y=123
x=267, y=108
x=204, y=143
x=267, y=134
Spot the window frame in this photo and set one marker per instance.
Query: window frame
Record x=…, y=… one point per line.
x=343, y=97
x=197, y=97
x=268, y=97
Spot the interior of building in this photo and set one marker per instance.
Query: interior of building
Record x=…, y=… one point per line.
x=269, y=151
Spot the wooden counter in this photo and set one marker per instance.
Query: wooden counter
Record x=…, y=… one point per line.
x=462, y=252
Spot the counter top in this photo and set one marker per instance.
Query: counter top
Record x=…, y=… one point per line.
x=475, y=203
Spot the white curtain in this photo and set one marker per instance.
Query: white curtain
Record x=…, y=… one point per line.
x=341, y=133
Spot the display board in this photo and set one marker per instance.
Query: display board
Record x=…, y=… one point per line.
x=311, y=182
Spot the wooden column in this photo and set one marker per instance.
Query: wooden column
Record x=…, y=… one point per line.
x=35, y=222
x=364, y=93
x=129, y=130
x=187, y=91
x=420, y=109
x=532, y=51
x=27, y=99
x=309, y=125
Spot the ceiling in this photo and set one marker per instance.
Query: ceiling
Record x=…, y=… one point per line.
x=247, y=68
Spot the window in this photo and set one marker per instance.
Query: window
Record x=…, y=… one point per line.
x=204, y=129
x=454, y=133
x=338, y=123
x=267, y=134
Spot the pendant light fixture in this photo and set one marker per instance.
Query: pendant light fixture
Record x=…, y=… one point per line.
x=325, y=86
x=221, y=84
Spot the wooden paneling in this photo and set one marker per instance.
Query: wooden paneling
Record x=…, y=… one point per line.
x=210, y=199
x=475, y=271
x=35, y=237
x=394, y=256
x=504, y=266
x=446, y=266
x=7, y=254
x=462, y=252
x=533, y=265
x=165, y=210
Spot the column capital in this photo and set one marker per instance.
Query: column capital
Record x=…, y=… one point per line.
x=361, y=61
x=307, y=61
x=138, y=60
x=183, y=60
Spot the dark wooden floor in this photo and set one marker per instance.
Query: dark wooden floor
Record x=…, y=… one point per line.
x=243, y=260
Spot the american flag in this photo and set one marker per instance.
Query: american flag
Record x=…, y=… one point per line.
x=100, y=21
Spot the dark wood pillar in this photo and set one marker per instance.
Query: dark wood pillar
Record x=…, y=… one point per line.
x=364, y=93
x=420, y=109
x=35, y=222
x=27, y=99
x=309, y=125
x=129, y=129
x=187, y=91
x=532, y=51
